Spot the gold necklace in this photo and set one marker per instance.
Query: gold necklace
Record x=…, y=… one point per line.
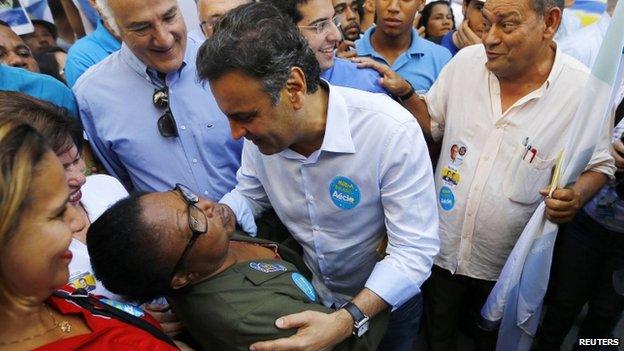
x=64, y=326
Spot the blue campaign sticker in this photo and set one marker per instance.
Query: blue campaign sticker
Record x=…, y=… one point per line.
x=304, y=285
x=267, y=267
x=126, y=307
x=344, y=193
x=447, y=199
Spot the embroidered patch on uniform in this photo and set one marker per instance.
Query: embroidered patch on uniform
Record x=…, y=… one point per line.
x=126, y=307
x=344, y=193
x=447, y=199
x=267, y=267
x=84, y=280
x=304, y=285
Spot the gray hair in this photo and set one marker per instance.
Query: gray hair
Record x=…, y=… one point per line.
x=108, y=15
x=543, y=6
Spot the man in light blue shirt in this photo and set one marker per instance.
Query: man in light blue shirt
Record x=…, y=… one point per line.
x=38, y=85
x=149, y=120
x=394, y=42
x=318, y=23
x=341, y=167
x=90, y=50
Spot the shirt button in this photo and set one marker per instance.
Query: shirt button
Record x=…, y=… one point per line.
x=210, y=125
x=206, y=192
x=194, y=160
x=310, y=198
x=183, y=127
x=316, y=228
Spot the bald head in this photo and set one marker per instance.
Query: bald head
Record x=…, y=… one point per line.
x=210, y=11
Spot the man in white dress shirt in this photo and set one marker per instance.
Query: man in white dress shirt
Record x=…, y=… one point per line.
x=341, y=168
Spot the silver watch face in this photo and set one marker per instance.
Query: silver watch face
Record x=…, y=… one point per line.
x=362, y=328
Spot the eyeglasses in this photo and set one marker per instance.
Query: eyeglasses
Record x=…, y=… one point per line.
x=323, y=26
x=197, y=222
x=166, y=123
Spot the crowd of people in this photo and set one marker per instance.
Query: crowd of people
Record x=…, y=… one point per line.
x=298, y=174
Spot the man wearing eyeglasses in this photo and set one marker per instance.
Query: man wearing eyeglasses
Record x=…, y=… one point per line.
x=319, y=23
x=226, y=287
x=148, y=119
x=342, y=168
x=210, y=11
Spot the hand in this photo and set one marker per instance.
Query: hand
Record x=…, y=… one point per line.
x=562, y=206
x=421, y=31
x=168, y=321
x=390, y=80
x=618, y=154
x=316, y=331
x=464, y=36
x=346, y=49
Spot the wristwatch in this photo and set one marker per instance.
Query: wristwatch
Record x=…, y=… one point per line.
x=360, y=320
x=402, y=98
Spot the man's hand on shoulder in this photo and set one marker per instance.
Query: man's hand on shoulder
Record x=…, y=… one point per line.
x=315, y=331
x=346, y=49
x=390, y=80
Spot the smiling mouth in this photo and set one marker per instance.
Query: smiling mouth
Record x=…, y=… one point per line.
x=75, y=197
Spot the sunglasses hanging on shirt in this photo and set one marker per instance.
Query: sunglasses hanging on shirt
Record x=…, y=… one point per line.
x=166, y=123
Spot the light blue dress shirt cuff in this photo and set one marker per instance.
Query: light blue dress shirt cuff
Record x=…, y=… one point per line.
x=392, y=285
x=244, y=216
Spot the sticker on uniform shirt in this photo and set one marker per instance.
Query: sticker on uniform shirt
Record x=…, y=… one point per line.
x=447, y=198
x=304, y=285
x=344, y=193
x=126, y=307
x=83, y=280
x=450, y=177
x=267, y=267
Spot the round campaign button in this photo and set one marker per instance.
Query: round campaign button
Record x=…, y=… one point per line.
x=447, y=199
x=344, y=193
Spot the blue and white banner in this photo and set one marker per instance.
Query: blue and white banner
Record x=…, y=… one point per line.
x=516, y=300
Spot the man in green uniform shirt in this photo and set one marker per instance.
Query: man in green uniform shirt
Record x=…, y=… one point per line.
x=226, y=288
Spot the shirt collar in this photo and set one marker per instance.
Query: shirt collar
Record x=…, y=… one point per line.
x=104, y=37
x=337, y=136
x=146, y=72
x=366, y=48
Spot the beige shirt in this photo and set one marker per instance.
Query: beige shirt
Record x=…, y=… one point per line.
x=493, y=164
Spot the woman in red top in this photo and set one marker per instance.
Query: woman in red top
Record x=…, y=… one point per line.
x=36, y=223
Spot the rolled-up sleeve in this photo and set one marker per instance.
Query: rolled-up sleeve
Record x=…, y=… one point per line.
x=408, y=199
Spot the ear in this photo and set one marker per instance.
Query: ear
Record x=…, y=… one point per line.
x=552, y=20
x=296, y=88
x=421, y=7
x=369, y=6
x=181, y=280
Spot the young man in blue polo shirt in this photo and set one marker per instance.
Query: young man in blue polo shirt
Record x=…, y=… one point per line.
x=395, y=43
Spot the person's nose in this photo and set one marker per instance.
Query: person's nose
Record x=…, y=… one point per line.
x=333, y=33
x=76, y=221
x=394, y=6
x=162, y=36
x=76, y=176
x=16, y=60
x=238, y=131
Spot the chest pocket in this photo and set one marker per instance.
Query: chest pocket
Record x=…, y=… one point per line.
x=524, y=179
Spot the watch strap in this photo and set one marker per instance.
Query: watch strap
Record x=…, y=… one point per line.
x=354, y=311
x=407, y=95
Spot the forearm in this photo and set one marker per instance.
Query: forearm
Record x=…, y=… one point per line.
x=369, y=303
x=418, y=108
x=588, y=185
